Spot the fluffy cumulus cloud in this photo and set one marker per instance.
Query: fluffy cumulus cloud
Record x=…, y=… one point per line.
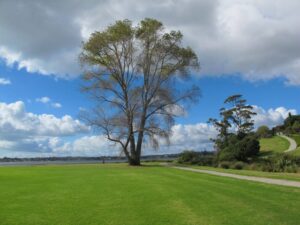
x=271, y=117
x=24, y=134
x=25, y=131
x=250, y=38
x=190, y=136
x=86, y=146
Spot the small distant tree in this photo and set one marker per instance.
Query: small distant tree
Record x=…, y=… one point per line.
x=296, y=127
x=131, y=73
x=291, y=124
x=264, y=132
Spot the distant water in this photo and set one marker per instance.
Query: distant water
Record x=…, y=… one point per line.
x=60, y=162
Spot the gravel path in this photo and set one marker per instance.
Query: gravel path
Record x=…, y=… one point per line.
x=293, y=144
x=242, y=177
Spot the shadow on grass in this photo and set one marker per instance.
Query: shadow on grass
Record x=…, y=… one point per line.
x=266, y=153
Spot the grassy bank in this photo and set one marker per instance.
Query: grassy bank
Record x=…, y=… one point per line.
x=275, y=144
x=121, y=195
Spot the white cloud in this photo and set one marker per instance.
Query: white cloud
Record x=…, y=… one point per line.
x=43, y=99
x=192, y=136
x=87, y=145
x=47, y=100
x=4, y=81
x=254, y=39
x=56, y=105
x=22, y=131
x=176, y=110
x=25, y=131
x=271, y=117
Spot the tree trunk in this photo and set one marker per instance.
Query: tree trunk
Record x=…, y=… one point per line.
x=134, y=161
x=141, y=134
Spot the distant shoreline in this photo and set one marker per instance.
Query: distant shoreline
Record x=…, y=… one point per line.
x=79, y=160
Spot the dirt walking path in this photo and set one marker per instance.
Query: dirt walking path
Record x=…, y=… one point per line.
x=293, y=144
x=243, y=177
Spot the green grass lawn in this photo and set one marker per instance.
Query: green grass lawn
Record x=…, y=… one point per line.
x=297, y=139
x=296, y=152
x=285, y=176
x=150, y=195
x=274, y=144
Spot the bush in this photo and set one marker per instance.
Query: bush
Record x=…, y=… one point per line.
x=240, y=148
x=199, y=158
x=249, y=147
x=238, y=165
x=281, y=163
x=264, y=132
x=187, y=156
x=254, y=166
x=224, y=165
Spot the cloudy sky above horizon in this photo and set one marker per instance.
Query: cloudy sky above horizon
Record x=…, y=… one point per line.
x=245, y=46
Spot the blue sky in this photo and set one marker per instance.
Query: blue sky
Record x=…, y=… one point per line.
x=28, y=87
x=247, y=47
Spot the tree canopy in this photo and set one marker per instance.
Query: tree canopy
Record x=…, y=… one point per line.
x=235, y=140
x=131, y=72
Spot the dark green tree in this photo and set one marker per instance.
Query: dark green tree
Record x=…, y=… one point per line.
x=296, y=127
x=235, y=140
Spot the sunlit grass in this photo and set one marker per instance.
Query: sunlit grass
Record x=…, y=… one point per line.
x=151, y=195
x=275, y=144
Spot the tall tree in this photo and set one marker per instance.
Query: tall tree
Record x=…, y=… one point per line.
x=235, y=141
x=240, y=113
x=236, y=115
x=131, y=72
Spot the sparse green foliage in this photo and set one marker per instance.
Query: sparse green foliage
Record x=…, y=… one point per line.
x=132, y=71
x=239, y=113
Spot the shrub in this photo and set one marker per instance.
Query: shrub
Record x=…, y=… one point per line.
x=264, y=132
x=254, y=166
x=238, y=165
x=224, y=165
x=281, y=163
x=199, y=158
x=249, y=147
x=187, y=156
x=227, y=154
x=240, y=148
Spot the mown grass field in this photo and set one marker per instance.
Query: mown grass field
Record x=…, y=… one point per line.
x=296, y=152
x=150, y=195
x=275, y=144
x=297, y=139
